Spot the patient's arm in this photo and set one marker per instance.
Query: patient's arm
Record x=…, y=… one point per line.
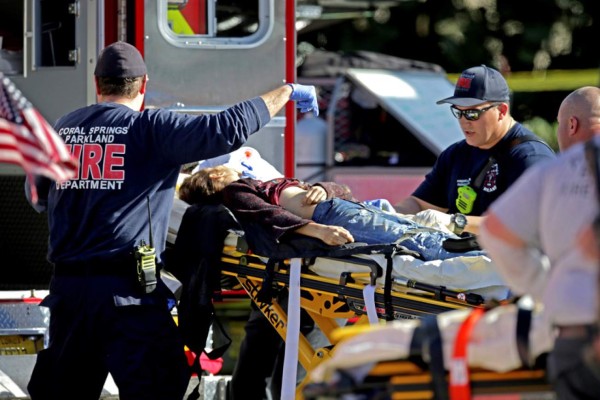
x=331, y=235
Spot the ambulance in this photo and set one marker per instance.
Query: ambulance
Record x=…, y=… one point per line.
x=202, y=56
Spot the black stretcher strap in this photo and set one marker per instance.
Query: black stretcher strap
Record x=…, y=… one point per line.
x=389, y=251
x=433, y=343
x=387, y=288
x=266, y=292
x=522, y=334
x=415, y=353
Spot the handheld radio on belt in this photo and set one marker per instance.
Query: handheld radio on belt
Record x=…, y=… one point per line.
x=145, y=256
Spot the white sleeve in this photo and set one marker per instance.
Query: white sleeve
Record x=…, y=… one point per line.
x=519, y=207
x=525, y=269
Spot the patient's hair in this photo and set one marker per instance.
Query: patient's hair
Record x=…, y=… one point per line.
x=201, y=187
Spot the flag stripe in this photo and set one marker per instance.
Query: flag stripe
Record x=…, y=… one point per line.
x=28, y=140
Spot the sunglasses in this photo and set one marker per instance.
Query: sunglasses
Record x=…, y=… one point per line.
x=471, y=114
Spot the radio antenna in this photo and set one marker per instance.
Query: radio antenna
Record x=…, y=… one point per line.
x=150, y=221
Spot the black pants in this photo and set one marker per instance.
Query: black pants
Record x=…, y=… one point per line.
x=570, y=376
x=101, y=324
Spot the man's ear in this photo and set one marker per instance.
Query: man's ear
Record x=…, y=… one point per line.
x=143, y=86
x=573, y=124
x=503, y=108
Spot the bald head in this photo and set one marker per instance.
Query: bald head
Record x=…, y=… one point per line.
x=579, y=117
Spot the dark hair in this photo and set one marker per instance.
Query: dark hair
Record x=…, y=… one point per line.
x=126, y=87
x=201, y=188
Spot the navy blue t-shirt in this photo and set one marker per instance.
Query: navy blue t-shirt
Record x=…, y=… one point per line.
x=126, y=156
x=460, y=164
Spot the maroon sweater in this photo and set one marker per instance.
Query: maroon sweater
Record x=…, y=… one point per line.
x=255, y=201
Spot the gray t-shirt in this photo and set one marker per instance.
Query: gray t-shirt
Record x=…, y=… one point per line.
x=547, y=208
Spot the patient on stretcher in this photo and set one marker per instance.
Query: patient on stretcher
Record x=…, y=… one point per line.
x=326, y=211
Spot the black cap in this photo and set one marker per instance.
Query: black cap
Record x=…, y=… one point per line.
x=120, y=60
x=478, y=85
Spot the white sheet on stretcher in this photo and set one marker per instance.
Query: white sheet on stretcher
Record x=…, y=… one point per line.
x=476, y=274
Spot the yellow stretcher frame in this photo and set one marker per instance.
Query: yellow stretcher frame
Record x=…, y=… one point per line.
x=327, y=300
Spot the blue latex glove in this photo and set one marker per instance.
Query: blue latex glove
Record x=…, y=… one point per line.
x=305, y=97
x=382, y=204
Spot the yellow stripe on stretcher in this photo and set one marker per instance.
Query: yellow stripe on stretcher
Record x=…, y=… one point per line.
x=395, y=368
x=352, y=330
x=482, y=375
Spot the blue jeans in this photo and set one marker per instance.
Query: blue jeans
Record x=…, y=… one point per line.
x=373, y=226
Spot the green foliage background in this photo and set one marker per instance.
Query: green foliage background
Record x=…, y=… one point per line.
x=512, y=36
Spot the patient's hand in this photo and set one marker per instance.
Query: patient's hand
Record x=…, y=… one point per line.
x=314, y=195
x=336, y=235
x=329, y=234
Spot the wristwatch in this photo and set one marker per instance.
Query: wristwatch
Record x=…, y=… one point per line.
x=459, y=222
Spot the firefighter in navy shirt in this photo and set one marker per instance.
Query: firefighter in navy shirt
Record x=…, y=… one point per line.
x=110, y=312
x=469, y=175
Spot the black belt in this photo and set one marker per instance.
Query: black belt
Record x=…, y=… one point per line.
x=577, y=331
x=122, y=266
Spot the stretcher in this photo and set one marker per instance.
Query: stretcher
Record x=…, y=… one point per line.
x=332, y=300
x=363, y=283
x=342, y=296
x=329, y=301
x=459, y=355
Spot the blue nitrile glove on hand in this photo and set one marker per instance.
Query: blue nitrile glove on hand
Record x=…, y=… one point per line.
x=382, y=204
x=305, y=97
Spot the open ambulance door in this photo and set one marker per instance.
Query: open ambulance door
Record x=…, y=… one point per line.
x=203, y=56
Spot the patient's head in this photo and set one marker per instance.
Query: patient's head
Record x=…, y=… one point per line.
x=205, y=185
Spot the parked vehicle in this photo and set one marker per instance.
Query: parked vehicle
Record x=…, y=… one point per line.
x=381, y=130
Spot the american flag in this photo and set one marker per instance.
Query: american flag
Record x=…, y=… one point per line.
x=28, y=140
